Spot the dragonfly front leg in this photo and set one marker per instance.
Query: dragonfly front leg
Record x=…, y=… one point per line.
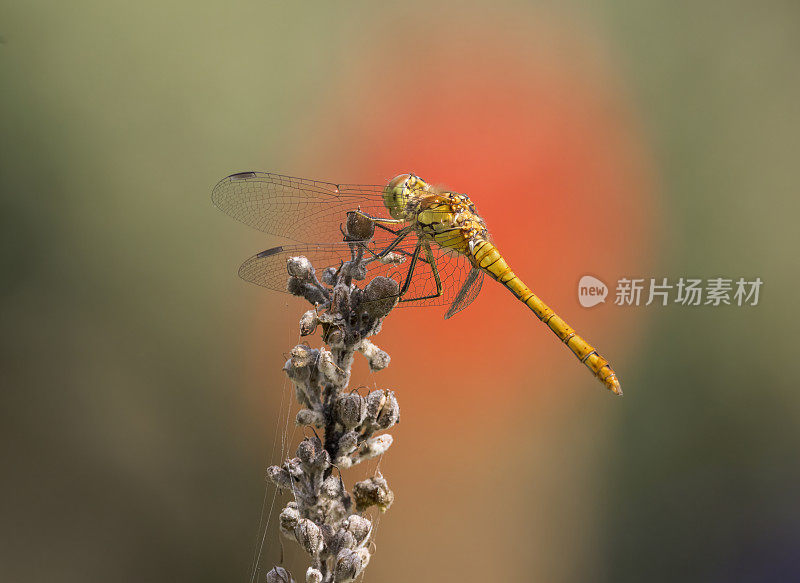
x=401, y=234
x=429, y=259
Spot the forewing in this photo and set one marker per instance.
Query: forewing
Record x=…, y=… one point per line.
x=304, y=210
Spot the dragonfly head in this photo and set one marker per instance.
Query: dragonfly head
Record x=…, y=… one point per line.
x=400, y=191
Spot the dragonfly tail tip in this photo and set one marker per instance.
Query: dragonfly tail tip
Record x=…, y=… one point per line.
x=613, y=385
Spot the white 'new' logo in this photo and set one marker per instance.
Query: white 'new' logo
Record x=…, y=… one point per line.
x=591, y=291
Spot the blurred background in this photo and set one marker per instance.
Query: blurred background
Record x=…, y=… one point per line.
x=141, y=379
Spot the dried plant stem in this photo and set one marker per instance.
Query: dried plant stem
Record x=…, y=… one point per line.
x=324, y=519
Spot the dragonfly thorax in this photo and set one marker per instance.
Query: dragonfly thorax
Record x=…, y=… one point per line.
x=449, y=219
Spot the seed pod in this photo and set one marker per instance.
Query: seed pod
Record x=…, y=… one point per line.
x=308, y=535
x=350, y=410
x=309, y=449
x=310, y=417
x=348, y=566
x=329, y=276
x=308, y=323
x=374, y=404
x=341, y=540
x=313, y=575
x=279, y=575
x=359, y=227
x=389, y=413
x=289, y=519
x=359, y=526
x=380, y=296
x=373, y=492
x=348, y=443
x=279, y=476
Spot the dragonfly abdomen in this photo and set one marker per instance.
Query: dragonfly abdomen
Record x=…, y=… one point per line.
x=486, y=256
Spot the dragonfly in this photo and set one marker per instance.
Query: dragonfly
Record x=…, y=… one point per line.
x=439, y=246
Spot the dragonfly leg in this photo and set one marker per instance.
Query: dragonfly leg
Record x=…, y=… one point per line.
x=429, y=259
x=402, y=234
x=379, y=220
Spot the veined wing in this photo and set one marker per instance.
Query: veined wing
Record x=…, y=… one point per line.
x=459, y=285
x=307, y=211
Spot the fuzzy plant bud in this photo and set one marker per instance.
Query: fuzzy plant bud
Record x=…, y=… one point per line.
x=329, y=276
x=377, y=358
x=330, y=370
x=309, y=535
x=359, y=227
x=279, y=476
x=308, y=323
x=288, y=520
x=373, y=492
x=332, y=487
x=348, y=443
x=300, y=267
x=313, y=575
x=310, y=417
x=348, y=565
x=309, y=450
x=350, y=409
x=303, y=356
x=279, y=575
x=376, y=446
x=380, y=296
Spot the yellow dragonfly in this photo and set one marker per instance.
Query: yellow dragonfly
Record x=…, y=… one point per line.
x=433, y=243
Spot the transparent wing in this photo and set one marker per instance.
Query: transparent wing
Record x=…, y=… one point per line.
x=307, y=211
x=467, y=294
x=268, y=269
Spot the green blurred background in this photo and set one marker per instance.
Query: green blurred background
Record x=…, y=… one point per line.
x=141, y=378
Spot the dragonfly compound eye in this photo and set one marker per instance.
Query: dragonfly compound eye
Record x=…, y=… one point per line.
x=396, y=193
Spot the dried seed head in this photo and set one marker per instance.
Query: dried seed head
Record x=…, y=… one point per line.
x=308, y=323
x=374, y=402
x=389, y=413
x=350, y=410
x=309, y=449
x=279, y=575
x=308, y=535
x=288, y=519
x=373, y=492
x=310, y=417
x=359, y=526
x=334, y=336
x=332, y=487
x=380, y=296
x=359, y=227
x=341, y=540
x=348, y=565
x=303, y=356
x=279, y=476
x=348, y=443
x=313, y=575
x=329, y=276
x=300, y=267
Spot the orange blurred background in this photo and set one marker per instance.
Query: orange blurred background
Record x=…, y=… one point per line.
x=142, y=380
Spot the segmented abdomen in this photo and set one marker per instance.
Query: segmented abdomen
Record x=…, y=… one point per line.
x=486, y=256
